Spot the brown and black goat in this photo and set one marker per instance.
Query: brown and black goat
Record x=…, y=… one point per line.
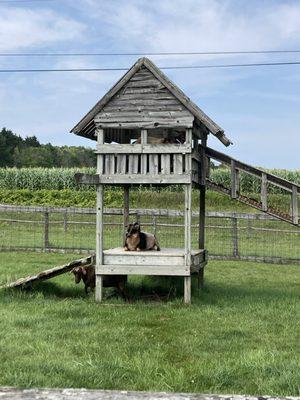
x=88, y=276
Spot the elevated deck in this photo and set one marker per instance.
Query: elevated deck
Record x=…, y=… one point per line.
x=167, y=262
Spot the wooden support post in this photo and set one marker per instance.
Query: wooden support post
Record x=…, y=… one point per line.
x=126, y=211
x=295, y=205
x=65, y=222
x=144, y=157
x=187, y=241
x=234, y=180
x=202, y=194
x=154, y=224
x=46, y=230
x=264, y=192
x=99, y=222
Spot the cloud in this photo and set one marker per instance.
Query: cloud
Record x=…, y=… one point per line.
x=22, y=28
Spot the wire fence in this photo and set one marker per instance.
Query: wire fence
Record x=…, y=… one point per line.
x=256, y=237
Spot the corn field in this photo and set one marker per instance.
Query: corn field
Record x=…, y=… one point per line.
x=63, y=178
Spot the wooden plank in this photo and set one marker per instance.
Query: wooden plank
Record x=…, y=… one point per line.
x=109, y=164
x=153, y=164
x=295, y=205
x=126, y=211
x=234, y=180
x=9, y=393
x=147, y=123
x=165, y=164
x=135, y=258
x=49, y=273
x=177, y=164
x=151, y=270
x=133, y=164
x=121, y=163
x=145, y=148
x=187, y=239
x=264, y=192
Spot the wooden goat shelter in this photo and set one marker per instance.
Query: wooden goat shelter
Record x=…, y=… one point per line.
x=148, y=133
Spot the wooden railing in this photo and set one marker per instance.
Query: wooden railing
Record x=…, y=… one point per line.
x=266, y=179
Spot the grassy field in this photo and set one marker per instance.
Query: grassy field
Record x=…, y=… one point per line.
x=240, y=335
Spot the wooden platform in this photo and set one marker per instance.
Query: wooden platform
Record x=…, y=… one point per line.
x=167, y=262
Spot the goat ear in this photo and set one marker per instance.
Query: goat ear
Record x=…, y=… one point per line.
x=83, y=270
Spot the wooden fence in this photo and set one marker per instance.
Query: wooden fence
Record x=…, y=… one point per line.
x=233, y=226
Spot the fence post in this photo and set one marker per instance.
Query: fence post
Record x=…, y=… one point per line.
x=154, y=224
x=65, y=221
x=46, y=230
x=235, y=242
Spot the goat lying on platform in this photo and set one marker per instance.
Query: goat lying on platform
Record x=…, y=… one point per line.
x=137, y=240
x=88, y=276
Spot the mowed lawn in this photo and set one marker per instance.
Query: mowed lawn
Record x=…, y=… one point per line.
x=240, y=335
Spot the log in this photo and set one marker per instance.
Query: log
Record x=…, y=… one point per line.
x=7, y=393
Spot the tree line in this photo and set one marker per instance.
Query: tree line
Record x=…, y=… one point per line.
x=29, y=152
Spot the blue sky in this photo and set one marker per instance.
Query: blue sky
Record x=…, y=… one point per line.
x=259, y=108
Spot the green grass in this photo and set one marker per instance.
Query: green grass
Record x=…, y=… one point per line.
x=240, y=335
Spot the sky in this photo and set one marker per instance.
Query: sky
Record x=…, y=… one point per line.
x=258, y=108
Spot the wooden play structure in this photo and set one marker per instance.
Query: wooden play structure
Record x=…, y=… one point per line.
x=149, y=132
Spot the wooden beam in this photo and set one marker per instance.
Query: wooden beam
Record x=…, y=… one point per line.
x=295, y=205
x=126, y=211
x=187, y=239
x=138, y=179
x=144, y=148
x=234, y=180
x=264, y=192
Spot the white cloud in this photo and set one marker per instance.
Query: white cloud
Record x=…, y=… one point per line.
x=22, y=28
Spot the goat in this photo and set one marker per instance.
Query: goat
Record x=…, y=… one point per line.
x=88, y=276
x=137, y=240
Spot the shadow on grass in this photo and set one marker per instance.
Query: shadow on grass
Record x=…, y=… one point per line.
x=166, y=289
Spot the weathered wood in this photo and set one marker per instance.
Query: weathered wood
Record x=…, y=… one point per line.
x=146, y=123
x=170, y=262
x=187, y=239
x=294, y=205
x=49, y=273
x=121, y=164
x=149, y=270
x=144, y=148
x=88, y=394
x=126, y=211
x=280, y=182
x=109, y=164
x=234, y=180
x=264, y=192
x=133, y=164
x=165, y=164
x=99, y=223
x=178, y=164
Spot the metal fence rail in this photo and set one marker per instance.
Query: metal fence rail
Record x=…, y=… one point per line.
x=255, y=237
